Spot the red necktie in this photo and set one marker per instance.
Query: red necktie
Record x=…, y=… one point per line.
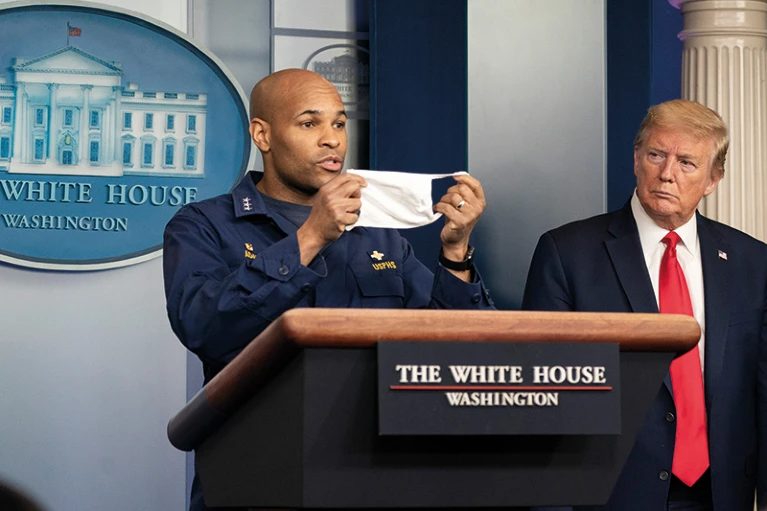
x=691, y=446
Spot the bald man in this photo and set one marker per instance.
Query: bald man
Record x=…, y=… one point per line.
x=236, y=262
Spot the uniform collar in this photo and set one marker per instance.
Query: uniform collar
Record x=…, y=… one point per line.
x=246, y=197
x=248, y=201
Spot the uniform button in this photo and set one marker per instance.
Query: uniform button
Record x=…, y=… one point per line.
x=663, y=476
x=670, y=417
x=476, y=298
x=283, y=270
x=305, y=288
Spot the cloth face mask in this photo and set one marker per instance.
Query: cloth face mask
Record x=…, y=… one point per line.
x=396, y=200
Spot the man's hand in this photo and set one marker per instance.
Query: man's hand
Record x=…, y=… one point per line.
x=335, y=206
x=462, y=206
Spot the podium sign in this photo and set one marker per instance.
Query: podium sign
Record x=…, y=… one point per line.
x=465, y=388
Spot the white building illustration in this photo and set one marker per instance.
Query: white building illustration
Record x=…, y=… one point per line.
x=67, y=113
x=349, y=74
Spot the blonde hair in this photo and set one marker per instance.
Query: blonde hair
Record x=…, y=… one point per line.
x=700, y=121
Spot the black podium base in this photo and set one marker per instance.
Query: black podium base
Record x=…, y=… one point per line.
x=308, y=440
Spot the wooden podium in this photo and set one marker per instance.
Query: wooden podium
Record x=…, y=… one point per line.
x=292, y=421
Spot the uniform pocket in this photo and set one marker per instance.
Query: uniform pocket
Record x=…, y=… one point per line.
x=378, y=283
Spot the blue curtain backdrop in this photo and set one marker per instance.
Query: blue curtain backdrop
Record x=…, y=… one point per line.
x=418, y=106
x=644, y=67
x=418, y=96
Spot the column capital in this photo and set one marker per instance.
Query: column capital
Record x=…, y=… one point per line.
x=716, y=3
x=722, y=18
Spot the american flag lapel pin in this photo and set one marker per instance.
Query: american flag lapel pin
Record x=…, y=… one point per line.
x=722, y=254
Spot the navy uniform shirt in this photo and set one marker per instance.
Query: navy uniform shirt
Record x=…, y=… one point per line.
x=232, y=266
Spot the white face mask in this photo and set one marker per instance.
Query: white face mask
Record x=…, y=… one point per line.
x=396, y=200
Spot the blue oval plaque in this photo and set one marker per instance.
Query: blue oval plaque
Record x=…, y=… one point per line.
x=108, y=124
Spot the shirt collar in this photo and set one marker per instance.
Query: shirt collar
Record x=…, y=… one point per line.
x=246, y=197
x=650, y=233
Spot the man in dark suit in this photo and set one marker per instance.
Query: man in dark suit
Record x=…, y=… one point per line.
x=712, y=457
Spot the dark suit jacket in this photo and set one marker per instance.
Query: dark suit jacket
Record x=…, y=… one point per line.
x=597, y=265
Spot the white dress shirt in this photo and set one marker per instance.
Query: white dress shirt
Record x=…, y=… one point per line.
x=688, y=254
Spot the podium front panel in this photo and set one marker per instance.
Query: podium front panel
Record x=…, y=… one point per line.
x=309, y=439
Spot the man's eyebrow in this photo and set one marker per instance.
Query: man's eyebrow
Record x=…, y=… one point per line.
x=686, y=156
x=309, y=112
x=319, y=112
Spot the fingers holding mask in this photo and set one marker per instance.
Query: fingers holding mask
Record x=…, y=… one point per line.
x=462, y=205
x=343, y=186
x=341, y=194
x=470, y=190
x=336, y=206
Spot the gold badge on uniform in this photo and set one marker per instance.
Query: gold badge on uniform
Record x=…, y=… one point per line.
x=249, y=251
x=382, y=265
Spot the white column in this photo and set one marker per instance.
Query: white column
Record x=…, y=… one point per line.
x=27, y=144
x=106, y=134
x=723, y=67
x=53, y=123
x=85, y=122
x=115, y=149
x=19, y=134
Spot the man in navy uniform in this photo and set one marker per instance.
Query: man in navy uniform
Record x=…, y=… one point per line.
x=235, y=263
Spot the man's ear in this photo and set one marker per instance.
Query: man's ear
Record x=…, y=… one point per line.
x=259, y=132
x=713, y=181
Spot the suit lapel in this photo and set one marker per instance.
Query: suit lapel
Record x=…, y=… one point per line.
x=627, y=257
x=626, y=254
x=716, y=288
